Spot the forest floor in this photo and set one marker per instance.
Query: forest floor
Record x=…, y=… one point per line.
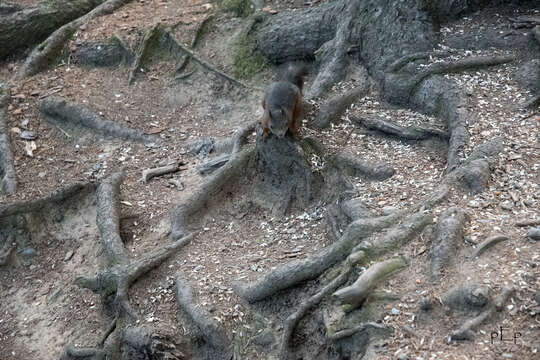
x=41, y=308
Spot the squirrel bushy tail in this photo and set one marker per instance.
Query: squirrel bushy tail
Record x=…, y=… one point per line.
x=293, y=73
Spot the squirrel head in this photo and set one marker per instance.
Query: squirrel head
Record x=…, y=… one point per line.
x=278, y=123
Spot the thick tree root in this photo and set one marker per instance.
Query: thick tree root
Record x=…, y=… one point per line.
x=293, y=319
x=491, y=241
x=113, y=281
x=56, y=197
x=448, y=235
x=401, y=132
x=395, y=237
x=465, y=331
x=20, y=28
x=228, y=174
x=142, y=52
x=332, y=110
x=45, y=53
x=8, y=179
x=212, y=340
x=355, y=294
x=402, y=61
x=233, y=169
x=295, y=272
x=473, y=174
x=60, y=110
x=353, y=166
x=341, y=334
x=400, y=86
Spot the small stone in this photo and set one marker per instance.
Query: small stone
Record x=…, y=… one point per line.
x=28, y=252
x=506, y=206
x=42, y=174
x=404, y=356
x=395, y=311
x=528, y=202
x=534, y=234
x=28, y=135
x=69, y=255
x=537, y=297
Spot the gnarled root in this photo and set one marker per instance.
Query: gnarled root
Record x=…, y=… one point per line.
x=8, y=179
x=61, y=110
x=295, y=272
x=465, y=331
x=215, y=341
x=356, y=293
x=449, y=234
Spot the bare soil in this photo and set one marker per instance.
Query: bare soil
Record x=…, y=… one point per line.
x=42, y=310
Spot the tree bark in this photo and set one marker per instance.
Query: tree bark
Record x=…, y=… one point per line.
x=27, y=27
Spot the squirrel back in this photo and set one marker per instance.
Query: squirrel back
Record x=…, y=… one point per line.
x=282, y=102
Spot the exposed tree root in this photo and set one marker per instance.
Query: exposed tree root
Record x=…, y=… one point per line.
x=338, y=335
x=353, y=166
x=403, y=84
x=297, y=271
x=448, y=235
x=395, y=237
x=45, y=53
x=473, y=174
x=176, y=47
x=293, y=319
x=532, y=103
x=487, y=244
x=335, y=107
x=200, y=30
x=395, y=130
x=8, y=178
x=465, y=331
x=233, y=169
x=404, y=60
x=60, y=110
x=7, y=248
x=113, y=281
x=56, y=197
x=148, y=174
x=214, y=164
x=142, y=52
x=355, y=294
x=20, y=28
x=212, y=341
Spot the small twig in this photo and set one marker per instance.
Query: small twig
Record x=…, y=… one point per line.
x=148, y=174
x=488, y=243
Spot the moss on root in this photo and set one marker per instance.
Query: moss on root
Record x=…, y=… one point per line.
x=241, y=8
x=247, y=59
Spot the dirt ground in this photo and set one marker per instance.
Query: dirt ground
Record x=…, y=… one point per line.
x=41, y=308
